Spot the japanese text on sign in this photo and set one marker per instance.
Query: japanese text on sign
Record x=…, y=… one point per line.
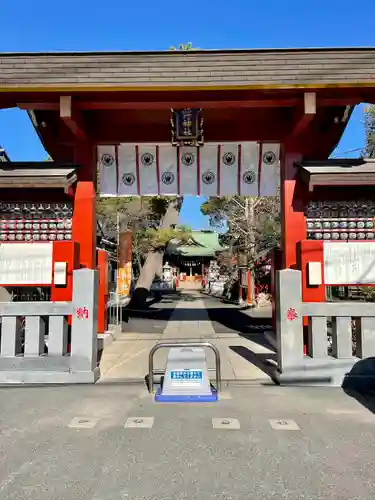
x=349, y=263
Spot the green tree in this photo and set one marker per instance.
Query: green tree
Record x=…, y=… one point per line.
x=184, y=47
x=154, y=222
x=252, y=224
x=156, y=240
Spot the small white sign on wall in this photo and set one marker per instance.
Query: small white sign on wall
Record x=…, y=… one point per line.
x=26, y=263
x=349, y=263
x=314, y=273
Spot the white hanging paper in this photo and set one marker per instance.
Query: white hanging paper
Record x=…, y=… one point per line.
x=208, y=170
x=128, y=175
x=148, y=161
x=188, y=170
x=228, y=169
x=107, y=164
x=168, y=169
x=249, y=169
x=269, y=170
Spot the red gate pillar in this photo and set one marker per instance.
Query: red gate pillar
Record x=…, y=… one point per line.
x=84, y=216
x=293, y=224
x=86, y=157
x=84, y=223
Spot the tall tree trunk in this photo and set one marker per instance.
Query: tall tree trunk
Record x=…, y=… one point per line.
x=154, y=259
x=250, y=242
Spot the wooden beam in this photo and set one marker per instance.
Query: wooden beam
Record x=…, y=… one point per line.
x=7, y=105
x=303, y=118
x=71, y=119
x=39, y=106
x=225, y=104
x=338, y=101
x=144, y=105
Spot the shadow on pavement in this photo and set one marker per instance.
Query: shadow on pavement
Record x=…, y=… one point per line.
x=224, y=319
x=237, y=321
x=261, y=361
x=365, y=399
x=359, y=383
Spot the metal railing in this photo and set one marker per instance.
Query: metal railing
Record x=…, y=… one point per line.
x=114, y=309
x=169, y=345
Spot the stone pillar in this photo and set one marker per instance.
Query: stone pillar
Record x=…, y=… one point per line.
x=84, y=349
x=289, y=319
x=11, y=329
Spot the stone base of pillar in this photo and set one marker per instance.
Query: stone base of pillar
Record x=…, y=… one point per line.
x=355, y=374
x=36, y=377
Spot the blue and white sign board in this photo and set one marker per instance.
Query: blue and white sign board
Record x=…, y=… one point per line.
x=186, y=377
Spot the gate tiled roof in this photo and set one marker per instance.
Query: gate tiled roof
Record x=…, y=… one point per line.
x=273, y=68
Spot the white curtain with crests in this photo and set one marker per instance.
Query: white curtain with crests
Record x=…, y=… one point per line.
x=269, y=170
x=228, y=164
x=215, y=169
x=148, y=159
x=168, y=169
x=188, y=170
x=208, y=170
x=107, y=165
x=127, y=176
x=249, y=168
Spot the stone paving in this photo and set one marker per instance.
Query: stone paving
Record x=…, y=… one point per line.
x=106, y=442
x=243, y=359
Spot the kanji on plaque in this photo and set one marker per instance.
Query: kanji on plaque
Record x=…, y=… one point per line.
x=82, y=313
x=291, y=314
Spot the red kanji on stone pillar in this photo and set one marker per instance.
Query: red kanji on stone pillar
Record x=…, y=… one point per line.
x=291, y=314
x=82, y=313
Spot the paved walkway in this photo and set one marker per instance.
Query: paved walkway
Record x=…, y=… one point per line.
x=245, y=355
x=113, y=442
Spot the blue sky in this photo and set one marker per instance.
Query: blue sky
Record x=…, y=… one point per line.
x=126, y=25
